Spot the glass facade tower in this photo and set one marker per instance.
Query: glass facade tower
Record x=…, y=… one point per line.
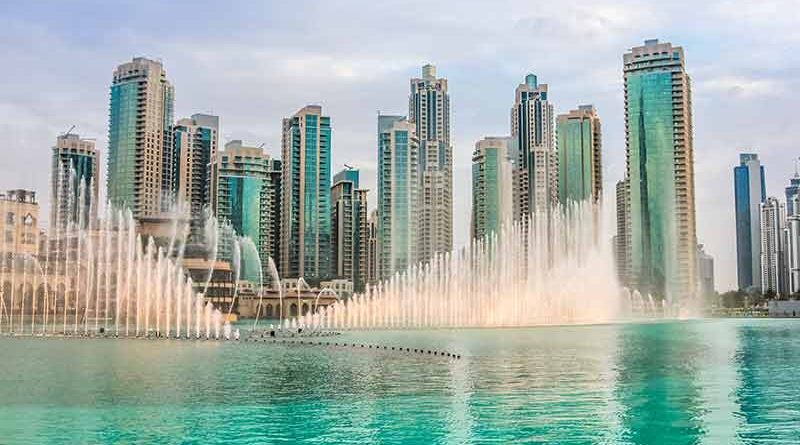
x=350, y=228
x=660, y=172
x=306, y=222
x=532, y=129
x=580, y=172
x=429, y=111
x=194, y=144
x=491, y=185
x=247, y=185
x=749, y=193
x=74, y=172
x=140, y=155
x=398, y=176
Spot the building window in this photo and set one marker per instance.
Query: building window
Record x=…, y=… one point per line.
x=10, y=218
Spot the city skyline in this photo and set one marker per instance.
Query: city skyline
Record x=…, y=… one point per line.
x=79, y=96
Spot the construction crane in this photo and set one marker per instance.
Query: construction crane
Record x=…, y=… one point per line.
x=69, y=131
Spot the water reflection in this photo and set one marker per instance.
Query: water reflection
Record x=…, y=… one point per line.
x=657, y=387
x=713, y=382
x=769, y=389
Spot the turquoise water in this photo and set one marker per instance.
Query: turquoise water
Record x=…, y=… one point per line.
x=711, y=382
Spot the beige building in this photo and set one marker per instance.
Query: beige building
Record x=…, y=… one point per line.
x=19, y=219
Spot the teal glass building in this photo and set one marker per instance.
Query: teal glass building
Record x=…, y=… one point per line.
x=306, y=222
x=140, y=156
x=74, y=182
x=750, y=191
x=398, y=194
x=247, y=185
x=579, y=155
x=660, y=167
x=491, y=185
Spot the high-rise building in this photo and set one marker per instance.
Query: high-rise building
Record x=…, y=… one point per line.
x=773, y=268
x=660, y=171
x=195, y=142
x=793, y=248
x=429, y=111
x=580, y=171
x=491, y=185
x=140, y=155
x=749, y=192
x=622, y=238
x=535, y=176
x=306, y=215
x=792, y=191
x=705, y=272
x=350, y=228
x=398, y=208
x=372, y=248
x=74, y=182
x=247, y=191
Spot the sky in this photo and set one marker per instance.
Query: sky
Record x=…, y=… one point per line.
x=253, y=63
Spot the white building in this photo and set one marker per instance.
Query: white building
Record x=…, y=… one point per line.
x=773, y=272
x=429, y=111
x=532, y=129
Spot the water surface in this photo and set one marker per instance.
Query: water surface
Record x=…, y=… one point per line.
x=708, y=382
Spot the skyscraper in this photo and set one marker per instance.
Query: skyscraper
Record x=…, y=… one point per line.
x=535, y=175
x=773, y=267
x=749, y=192
x=372, y=248
x=74, y=171
x=491, y=185
x=140, y=156
x=429, y=111
x=793, y=248
x=705, y=272
x=580, y=171
x=306, y=215
x=350, y=228
x=247, y=190
x=622, y=238
x=792, y=190
x=660, y=171
x=398, y=208
x=194, y=144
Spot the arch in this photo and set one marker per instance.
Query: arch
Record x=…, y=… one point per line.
x=293, y=310
x=268, y=311
x=61, y=292
x=305, y=308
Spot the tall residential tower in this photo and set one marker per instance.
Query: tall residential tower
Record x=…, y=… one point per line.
x=491, y=185
x=749, y=192
x=429, y=111
x=350, y=228
x=194, y=144
x=580, y=169
x=535, y=176
x=398, y=208
x=306, y=215
x=140, y=155
x=74, y=181
x=660, y=171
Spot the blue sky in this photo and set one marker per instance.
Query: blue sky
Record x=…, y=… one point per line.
x=254, y=63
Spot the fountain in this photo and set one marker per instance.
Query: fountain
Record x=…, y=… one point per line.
x=545, y=271
x=99, y=277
